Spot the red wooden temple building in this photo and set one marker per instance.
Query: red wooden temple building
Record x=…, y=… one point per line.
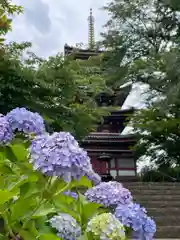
x=110, y=151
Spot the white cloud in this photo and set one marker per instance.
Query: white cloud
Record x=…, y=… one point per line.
x=50, y=24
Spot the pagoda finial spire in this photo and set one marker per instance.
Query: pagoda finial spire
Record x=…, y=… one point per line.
x=91, y=40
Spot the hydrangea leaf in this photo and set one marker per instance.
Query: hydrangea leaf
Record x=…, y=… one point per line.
x=26, y=235
x=5, y=196
x=83, y=182
x=49, y=236
x=44, y=210
x=90, y=209
x=22, y=207
x=19, y=151
x=15, y=185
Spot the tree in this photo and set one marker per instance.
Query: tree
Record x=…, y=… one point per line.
x=61, y=89
x=7, y=10
x=151, y=30
x=158, y=125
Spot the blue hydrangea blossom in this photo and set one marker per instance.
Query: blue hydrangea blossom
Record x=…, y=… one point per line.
x=59, y=155
x=66, y=226
x=149, y=228
x=109, y=194
x=22, y=120
x=71, y=194
x=134, y=216
x=6, y=133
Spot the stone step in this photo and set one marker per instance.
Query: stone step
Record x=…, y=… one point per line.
x=151, y=192
x=172, y=184
x=163, y=212
x=159, y=204
x=145, y=197
x=167, y=232
x=154, y=186
x=172, y=220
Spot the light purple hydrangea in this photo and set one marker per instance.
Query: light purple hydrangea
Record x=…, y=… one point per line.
x=149, y=228
x=21, y=119
x=134, y=216
x=109, y=194
x=71, y=194
x=6, y=133
x=131, y=215
x=59, y=155
x=66, y=226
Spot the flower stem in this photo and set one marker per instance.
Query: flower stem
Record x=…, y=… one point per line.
x=10, y=231
x=63, y=189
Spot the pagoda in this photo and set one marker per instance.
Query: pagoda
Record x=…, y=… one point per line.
x=111, y=152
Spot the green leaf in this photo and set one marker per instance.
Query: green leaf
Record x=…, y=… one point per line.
x=5, y=169
x=49, y=237
x=19, y=151
x=43, y=227
x=83, y=182
x=26, y=235
x=62, y=204
x=5, y=196
x=90, y=209
x=22, y=207
x=44, y=210
x=13, y=186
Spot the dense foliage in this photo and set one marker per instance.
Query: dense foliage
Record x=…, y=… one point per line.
x=41, y=175
x=61, y=89
x=149, y=31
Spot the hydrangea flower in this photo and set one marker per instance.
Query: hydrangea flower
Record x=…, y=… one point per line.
x=134, y=216
x=106, y=226
x=131, y=215
x=6, y=133
x=66, y=226
x=71, y=194
x=109, y=194
x=26, y=121
x=59, y=155
x=149, y=228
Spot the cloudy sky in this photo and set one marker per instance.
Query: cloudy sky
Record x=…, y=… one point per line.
x=49, y=24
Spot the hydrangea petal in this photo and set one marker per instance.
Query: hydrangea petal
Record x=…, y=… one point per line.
x=109, y=194
x=106, y=226
x=22, y=120
x=66, y=226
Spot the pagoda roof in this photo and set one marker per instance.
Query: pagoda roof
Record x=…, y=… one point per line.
x=118, y=116
x=122, y=112
x=106, y=136
x=81, y=53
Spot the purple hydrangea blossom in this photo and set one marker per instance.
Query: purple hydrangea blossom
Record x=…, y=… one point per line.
x=149, y=228
x=6, y=133
x=26, y=121
x=134, y=216
x=109, y=194
x=59, y=155
x=66, y=226
x=71, y=194
x=131, y=215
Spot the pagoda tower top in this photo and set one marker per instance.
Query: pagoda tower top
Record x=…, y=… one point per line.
x=91, y=40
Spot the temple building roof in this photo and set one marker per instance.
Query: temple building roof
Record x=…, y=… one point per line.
x=108, y=135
